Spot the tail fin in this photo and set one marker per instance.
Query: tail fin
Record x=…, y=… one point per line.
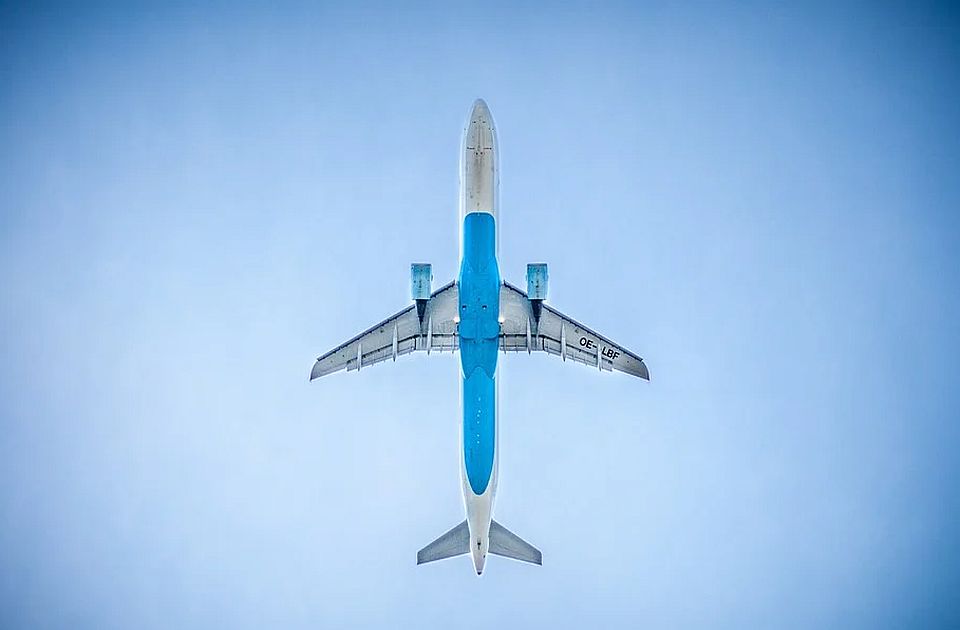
x=454, y=543
x=505, y=543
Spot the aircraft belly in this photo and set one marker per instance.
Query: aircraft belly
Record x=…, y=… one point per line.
x=479, y=329
x=479, y=428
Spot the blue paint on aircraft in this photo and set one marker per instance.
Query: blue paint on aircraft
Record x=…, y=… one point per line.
x=479, y=289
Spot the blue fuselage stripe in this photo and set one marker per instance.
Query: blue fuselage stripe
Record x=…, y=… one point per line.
x=479, y=288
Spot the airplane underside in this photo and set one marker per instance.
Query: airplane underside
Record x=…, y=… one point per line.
x=479, y=315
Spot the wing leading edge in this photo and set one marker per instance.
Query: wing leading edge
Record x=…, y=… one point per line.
x=559, y=335
x=398, y=335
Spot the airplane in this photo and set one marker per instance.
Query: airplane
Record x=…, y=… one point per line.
x=479, y=315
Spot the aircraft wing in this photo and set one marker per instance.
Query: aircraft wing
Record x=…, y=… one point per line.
x=400, y=334
x=560, y=335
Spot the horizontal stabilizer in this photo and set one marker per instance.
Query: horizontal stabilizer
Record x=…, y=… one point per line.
x=454, y=543
x=505, y=543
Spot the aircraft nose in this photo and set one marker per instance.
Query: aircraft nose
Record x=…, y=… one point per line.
x=479, y=133
x=481, y=118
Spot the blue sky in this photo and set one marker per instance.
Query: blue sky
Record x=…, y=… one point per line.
x=760, y=200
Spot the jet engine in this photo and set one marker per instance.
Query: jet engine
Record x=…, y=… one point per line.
x=421, y=286
x=537, y=279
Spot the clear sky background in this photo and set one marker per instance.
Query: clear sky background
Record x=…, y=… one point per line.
x=761, y=201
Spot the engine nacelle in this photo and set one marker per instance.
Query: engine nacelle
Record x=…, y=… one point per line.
x=421, y=281
x=421, y=286
x=537, y=281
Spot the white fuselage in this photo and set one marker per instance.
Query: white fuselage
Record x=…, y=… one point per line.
x=479, y=192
